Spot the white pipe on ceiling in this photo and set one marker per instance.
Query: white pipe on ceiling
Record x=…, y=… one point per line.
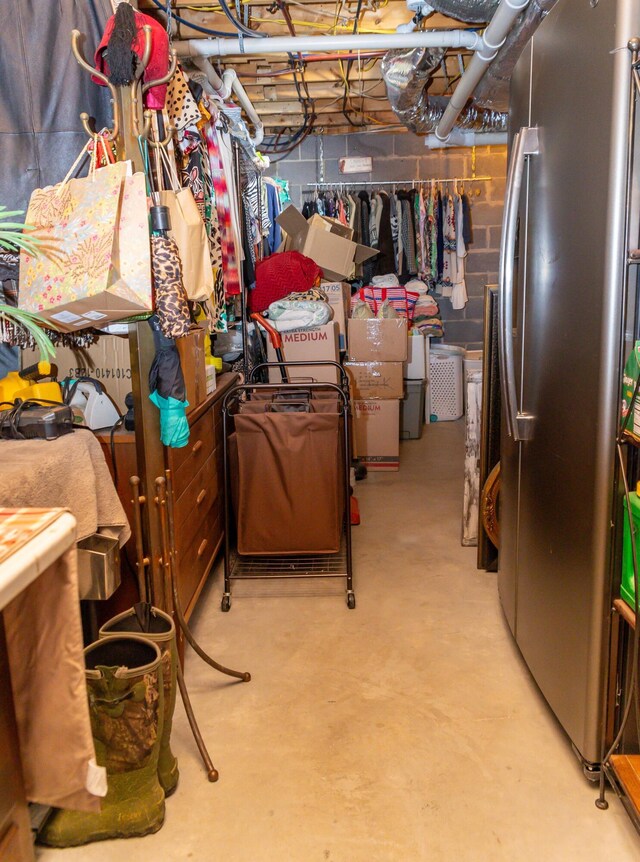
x=328, y=44
x=492, y=40
x=485, y=47
x=466, y=138
x=223, y=87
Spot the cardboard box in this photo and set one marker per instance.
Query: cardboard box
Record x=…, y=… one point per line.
x=324, y=240
x=377, y=340
x=191, y=352
x=377, y=434
x=303, y=345
x=375, y=379
x=107, y=360
x=339, y=295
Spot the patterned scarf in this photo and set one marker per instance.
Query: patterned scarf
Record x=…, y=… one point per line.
x=230, y=273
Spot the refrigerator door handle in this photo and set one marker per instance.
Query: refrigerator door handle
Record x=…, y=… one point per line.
x=525, y=143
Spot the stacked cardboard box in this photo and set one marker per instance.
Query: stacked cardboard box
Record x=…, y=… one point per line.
x=377, y=349
x=339, y=296
x=318, y=343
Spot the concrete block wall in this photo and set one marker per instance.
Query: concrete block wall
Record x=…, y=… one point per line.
x=404, y=157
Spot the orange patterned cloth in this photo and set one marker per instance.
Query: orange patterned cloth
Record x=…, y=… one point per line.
x=18, y=526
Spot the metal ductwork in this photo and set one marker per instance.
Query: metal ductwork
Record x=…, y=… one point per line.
x=407, y=74
x=493, y=91
x=469, y=11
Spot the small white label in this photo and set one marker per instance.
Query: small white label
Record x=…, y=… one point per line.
x=356, y=165
x=66, y=317
x=116, y=329
x=94, y=315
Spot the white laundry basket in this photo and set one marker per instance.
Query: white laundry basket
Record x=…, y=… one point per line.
x=445, y=383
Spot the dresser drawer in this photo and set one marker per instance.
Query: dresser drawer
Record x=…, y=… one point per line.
x=190, y=510
x=201, y=490
x=194, y=562
x=185, y=463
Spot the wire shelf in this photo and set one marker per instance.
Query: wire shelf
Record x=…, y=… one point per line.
x=286, y=567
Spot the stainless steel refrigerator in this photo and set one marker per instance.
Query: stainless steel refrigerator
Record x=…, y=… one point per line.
x=562, y=328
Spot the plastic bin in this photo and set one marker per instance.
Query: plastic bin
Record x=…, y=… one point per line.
x=446, y=383
x=412, y=410
x=416, y=364
x=472, y=360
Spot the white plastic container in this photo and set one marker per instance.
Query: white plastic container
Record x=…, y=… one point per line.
x=472, y=361
x=446, y=402
x=416, y=364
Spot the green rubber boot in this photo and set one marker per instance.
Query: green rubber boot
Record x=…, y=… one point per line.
x=126, y=705
x=154, y=624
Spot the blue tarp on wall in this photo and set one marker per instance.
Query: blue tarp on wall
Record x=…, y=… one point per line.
x=43, y=90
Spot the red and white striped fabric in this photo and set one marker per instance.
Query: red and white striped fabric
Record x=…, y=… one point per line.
x=399, y=298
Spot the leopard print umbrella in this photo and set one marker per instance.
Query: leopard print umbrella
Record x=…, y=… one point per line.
x=171, y=303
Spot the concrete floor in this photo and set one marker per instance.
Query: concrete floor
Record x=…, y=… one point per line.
x=403, y=731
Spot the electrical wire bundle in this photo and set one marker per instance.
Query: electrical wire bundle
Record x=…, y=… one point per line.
x=276, y=147
x=50, y=419
x=245, y=31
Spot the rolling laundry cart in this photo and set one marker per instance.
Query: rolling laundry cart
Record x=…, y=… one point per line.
x=286, y=463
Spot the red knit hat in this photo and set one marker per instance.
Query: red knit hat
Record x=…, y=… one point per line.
x=281, y=274
x=158, y=64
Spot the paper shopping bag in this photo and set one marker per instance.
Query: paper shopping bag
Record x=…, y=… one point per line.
x=93, y=265
x=187, y=230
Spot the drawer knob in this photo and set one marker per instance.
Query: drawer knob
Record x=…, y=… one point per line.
x=201, y=496
x=197, y=446
x=203, y=545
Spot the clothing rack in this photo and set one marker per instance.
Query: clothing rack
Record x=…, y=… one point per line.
x=414, y=182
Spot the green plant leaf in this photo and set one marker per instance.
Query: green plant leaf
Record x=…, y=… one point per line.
x=33, y=323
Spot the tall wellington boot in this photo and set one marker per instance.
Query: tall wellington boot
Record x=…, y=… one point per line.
x=154, y=624
x=126, y=704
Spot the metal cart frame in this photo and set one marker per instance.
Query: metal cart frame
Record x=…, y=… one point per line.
x=281, y=566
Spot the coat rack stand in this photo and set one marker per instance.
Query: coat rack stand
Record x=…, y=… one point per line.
x=153, y=518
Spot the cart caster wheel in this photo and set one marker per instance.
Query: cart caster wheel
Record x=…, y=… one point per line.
x=225, y=604
x=360, y=472
x=351, y=601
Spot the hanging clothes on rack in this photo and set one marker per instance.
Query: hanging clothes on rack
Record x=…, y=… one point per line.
x=226, y=208
x=274, y=208
x=283, y=191
x=422, y=231
x=459, y=292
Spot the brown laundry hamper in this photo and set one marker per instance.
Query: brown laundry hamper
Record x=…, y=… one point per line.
x=288, y=495
x=287, y=477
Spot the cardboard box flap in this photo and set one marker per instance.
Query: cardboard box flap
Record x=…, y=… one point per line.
x=293, y=222
x=331, y=225
x=324, y=241
x=364, y=252
x=330, y=252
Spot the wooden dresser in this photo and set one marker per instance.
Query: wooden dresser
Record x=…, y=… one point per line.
x=197, y=481
x=197, y=501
